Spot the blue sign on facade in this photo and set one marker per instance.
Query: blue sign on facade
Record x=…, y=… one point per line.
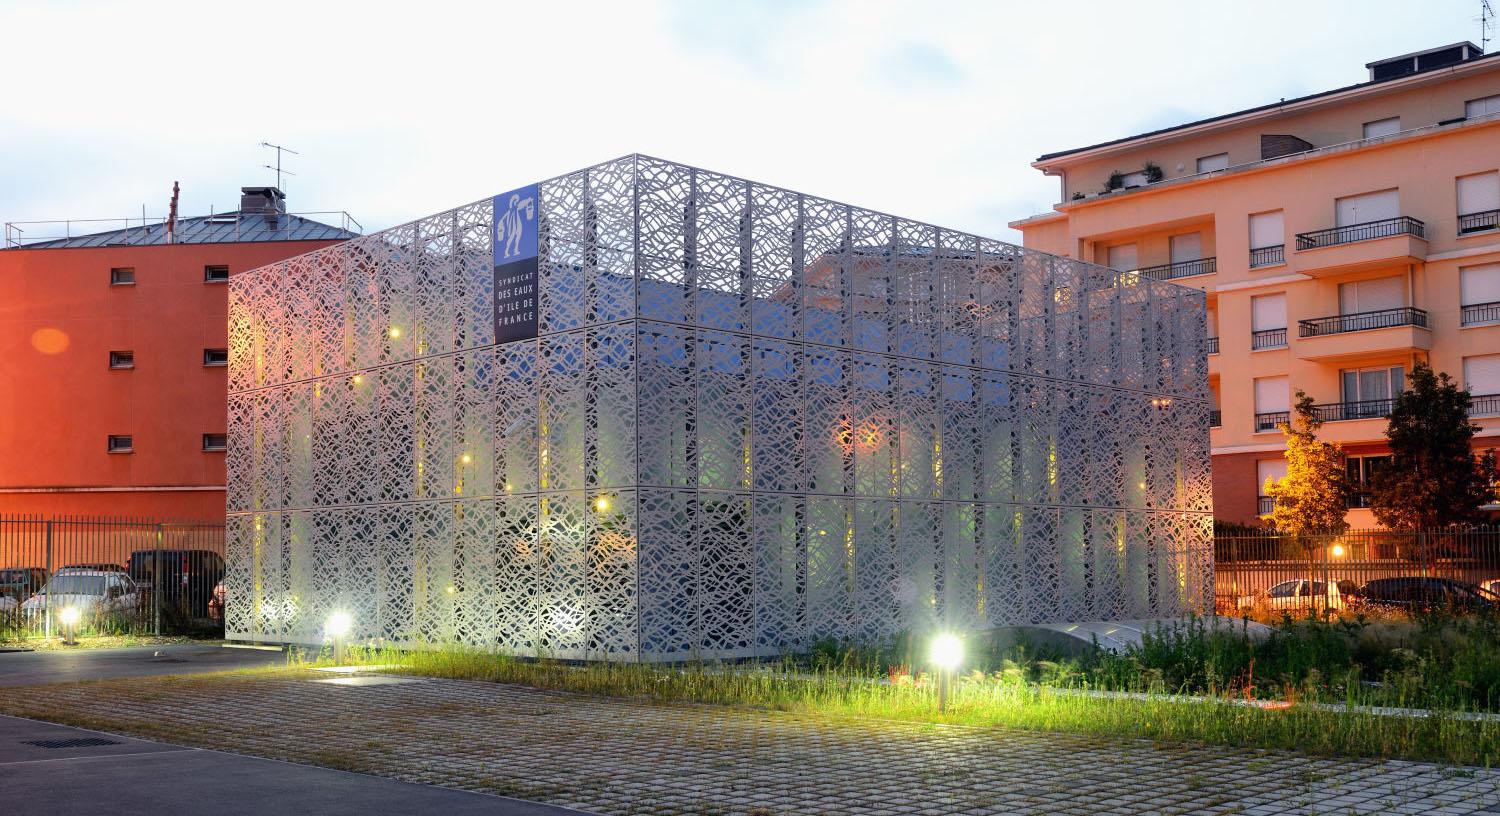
x=514, y=239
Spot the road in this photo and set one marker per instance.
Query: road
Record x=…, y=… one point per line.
x=72, y=666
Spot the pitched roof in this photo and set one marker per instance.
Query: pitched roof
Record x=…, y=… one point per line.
x=220, y=228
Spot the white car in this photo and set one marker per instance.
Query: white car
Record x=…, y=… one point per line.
x=94, y=593
x=1297, y=594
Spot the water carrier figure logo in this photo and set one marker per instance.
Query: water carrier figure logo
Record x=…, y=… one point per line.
x=510, y=228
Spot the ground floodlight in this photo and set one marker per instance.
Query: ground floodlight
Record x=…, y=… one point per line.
x=947, y=651
x=69, y=616
x=338, y=625
x=1338, y=551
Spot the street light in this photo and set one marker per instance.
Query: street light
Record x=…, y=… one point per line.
x=68, y=616
x=337, y=629
x=946, y=653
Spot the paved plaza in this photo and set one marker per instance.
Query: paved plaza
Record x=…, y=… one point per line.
x=614, y=756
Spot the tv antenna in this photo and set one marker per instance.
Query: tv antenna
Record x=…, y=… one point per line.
x=280, y=172
x=1486, y=24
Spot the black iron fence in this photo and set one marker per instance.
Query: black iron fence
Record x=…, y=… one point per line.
x=1484, y=404
x=1362, y=321
x=1375, y=569
x=1269, y=421
x=1359, y=409
x=1180, y=269
x=1268, y=256
x=1479, y=313
x=1384, y=228
x=1267, y=338
x=1478, y=222
x=74, y=575
x=1213, y=345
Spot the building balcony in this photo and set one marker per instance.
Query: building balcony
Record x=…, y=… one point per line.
x=1265, y=423
x=1478, y=314
x=1363, y=333
x=1361, y=409
x=1479, y=222
x=1180, y=269
x=1268, y=256
x=1359, y=501
x=1484, y=405
x=1213, y=344
x=1362, y=246
x=1264, y=505
x=1267, y=339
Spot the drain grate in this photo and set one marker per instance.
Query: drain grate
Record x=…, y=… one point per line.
x=74, y=742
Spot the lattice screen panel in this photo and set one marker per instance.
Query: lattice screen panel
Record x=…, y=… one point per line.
x=751, y=419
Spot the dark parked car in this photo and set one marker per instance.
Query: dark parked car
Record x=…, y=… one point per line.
x=98, y=567
x=20, y=583
x=186, y=577
x=1427, y=593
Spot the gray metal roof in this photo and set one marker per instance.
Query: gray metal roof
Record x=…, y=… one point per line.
x=221, y=228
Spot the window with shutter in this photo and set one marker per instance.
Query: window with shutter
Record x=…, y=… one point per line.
x=1372, y=295
x=1271, y=395
x=1122, y=257
x=1267, y=230
x=1187, y=247
x=1479, y=284
x=1382, y=127
x=1479, y=193
x=1482, y=374
x=1482, y=107
x=1268, y=312
x=1218, y=161
x=1367, y=207
x=1269, y=469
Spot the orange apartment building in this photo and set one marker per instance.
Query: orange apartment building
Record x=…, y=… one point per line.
x=113, y=354
x=1341, y=237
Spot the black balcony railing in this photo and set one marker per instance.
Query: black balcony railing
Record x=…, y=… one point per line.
x=1268, y=422
x=1484, y=404
x=1264, y=505
x=1215, y=418
x=1267, y=338
x=1480, y=313
x=1360, y=409
x=1478, y=222
x=1181, y=269
x=1268, y=256
x=1362, y=321
x=1358, y=500
x=1370, y=230
x=1213, y=345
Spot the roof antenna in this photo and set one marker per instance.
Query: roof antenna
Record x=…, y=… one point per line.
x=280, y=172
x=1486, y=24
x=172, y=217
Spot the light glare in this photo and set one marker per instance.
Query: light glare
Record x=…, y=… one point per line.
x=338, y=625
x=947, y=651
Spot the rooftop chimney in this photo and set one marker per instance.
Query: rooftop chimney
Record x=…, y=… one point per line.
x=267, y=201
x=1440, y=57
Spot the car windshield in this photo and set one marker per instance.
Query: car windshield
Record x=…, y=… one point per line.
x=12, y=576
x=76, y=585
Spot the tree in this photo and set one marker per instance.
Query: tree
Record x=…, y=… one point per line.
x=1314, y=495
x=1434, y=479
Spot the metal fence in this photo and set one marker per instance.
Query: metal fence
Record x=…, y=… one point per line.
x=77, y=575
x=1268, y=570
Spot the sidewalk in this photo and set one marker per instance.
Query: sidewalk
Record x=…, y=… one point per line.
x=614, y=756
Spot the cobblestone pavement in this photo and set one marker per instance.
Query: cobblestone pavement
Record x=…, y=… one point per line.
x=613, y=756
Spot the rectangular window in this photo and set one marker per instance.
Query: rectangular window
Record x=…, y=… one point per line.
x=1361, y=470
x=1122, y=258
x=215, y=274
x=1136, y=179
x=121, y=443
x=122, y=276
x=215, y=442
x=122, y=359
x=1267, y=239
x=1482, y=107
x=216, y=357
x=1186, y=247
x=1478, y=197
x=1482, y=375
x=1268, y=470
x=1367, y=207
x=1382, y=127
x=1479, y=293
x=1372, y=384
x=1268, y=312
x=1272, y=402
x=1372, y=295
x=1218, y=161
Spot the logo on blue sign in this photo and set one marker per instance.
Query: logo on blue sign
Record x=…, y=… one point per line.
x=515, y=225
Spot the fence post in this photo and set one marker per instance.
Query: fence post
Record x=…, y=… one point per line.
x=47, y=597
x=156, y=585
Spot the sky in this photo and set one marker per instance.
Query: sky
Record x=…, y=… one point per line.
x=930, y=110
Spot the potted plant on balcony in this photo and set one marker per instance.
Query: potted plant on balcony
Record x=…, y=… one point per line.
x=1152, y=171
x=1115, y=181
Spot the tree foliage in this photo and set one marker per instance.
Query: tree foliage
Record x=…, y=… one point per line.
x=1434, y=478
x=1313, y=496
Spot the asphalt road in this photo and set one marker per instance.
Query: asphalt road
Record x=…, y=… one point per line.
x=42, y=770
x=71, y=666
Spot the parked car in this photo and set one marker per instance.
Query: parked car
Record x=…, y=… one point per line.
x=186, y=577
x=94, y=593
x=1300, y=593
x=20, y=583
x=99, y=567
x=1414, y=592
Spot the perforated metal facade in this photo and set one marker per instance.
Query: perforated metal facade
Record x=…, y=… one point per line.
x=752, y=418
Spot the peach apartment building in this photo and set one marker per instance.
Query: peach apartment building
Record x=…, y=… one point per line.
x=1341, y=237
